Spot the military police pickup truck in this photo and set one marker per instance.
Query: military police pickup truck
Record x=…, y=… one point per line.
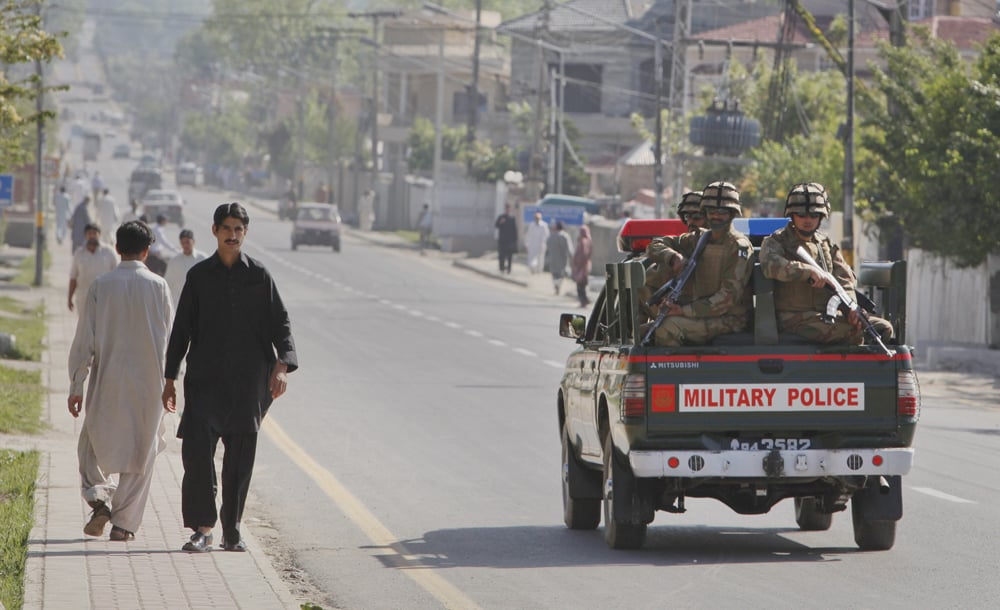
x=750, y=420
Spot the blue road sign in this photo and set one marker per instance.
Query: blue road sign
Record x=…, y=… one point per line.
x=6, y=190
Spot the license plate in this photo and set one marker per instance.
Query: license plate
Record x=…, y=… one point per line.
x=768, y=444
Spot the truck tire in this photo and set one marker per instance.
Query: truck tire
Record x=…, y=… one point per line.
x=809, y=518
x=578, y=513
x=870, y=534
x=618, y=534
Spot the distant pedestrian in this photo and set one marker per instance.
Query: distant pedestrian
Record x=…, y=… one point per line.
x=133, y=212
x=61, y=203
x=179, y=265
x=83, y=215
x=535, y=236
x=90, y=261
x=120, y=345
x=581, y=265
x=235, y=331
x=96, y=186
x=163, y=249
x=107, y=215
x=558, y=250
x=425, y=224
x=506, y=227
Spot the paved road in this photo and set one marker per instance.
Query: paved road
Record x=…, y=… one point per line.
x=414, y=463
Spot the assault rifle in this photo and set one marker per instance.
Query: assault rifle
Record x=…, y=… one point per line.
x=840, y=299
x=670, y=292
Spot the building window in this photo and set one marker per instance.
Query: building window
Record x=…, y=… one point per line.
x=583, y=87
x=921, y=9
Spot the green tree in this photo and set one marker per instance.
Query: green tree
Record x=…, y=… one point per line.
x=223, y=138
x=934, y=140
x=22, y=43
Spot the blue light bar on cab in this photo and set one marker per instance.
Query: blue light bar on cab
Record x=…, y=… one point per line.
x=758, y=227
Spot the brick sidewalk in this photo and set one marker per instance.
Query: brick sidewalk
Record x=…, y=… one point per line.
x=68, y=570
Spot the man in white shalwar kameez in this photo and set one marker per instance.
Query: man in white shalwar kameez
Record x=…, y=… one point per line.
x=535, y=237
x=121, y=342
x=178, y=266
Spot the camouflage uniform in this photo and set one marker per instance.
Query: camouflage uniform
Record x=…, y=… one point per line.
x=659, y=272
x=801, y=307
x=716, y=300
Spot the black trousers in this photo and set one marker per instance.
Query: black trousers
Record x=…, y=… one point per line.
x=505, y=254
x=199, y=486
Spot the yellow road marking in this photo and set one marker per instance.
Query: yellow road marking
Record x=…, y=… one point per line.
x=446, y=593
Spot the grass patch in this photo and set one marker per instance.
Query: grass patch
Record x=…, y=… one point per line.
x=28, y=328
x=18, y=473
x=26, y=269
x=20, y=401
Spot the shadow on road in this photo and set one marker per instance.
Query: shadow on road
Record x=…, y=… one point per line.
x=556, y=546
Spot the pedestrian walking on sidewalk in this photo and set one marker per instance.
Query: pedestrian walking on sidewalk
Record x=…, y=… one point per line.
x=89, y=262
x=235, y=331
x=559, y=250
x=535, y=237
x=61, y=202
x=581, y=264
x=120, y=344
x=179, y=265
x=83, y=215
x=506, y=227
x=425, y=223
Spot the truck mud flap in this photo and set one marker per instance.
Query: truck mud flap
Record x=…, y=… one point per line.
x=878, y=502
x=633, y=504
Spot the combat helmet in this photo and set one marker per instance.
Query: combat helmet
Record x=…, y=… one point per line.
x=721, y=194
x=690, y=202
x=808, y=198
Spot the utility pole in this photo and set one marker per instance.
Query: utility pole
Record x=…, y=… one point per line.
x=679, y=80
x=39, y=159
x=376, y=17
x=847, y=244
x=438, y=120
x=474, y=89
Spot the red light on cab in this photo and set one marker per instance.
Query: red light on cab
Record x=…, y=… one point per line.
x=877, y=460
x=673, y=462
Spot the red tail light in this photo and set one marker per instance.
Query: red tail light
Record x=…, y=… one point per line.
x=908, y=398
x=634, y=397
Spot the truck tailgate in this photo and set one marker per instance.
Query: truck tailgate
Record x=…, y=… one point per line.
x=788, y=393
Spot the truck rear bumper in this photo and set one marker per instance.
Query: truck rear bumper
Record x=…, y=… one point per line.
x=762, y=464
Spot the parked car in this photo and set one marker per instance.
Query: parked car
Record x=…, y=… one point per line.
x=188, y=173
x=144, y=179
x=121, y=151
x=316, y=224
x=166, y=202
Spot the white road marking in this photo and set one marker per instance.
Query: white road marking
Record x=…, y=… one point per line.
x=942, y=496
x=497, y=342
x=473, y=333
x=525, y=352
x=416, y=314
x=454, y=325
x=554, y=364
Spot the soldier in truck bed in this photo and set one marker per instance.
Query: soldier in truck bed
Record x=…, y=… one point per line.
x=800, y=296
x=689, y=211
x=716, y=300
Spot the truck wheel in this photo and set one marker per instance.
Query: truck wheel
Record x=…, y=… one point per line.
x=578, y=513
x=618, y=534
x=809, y=518
x=869, y=534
